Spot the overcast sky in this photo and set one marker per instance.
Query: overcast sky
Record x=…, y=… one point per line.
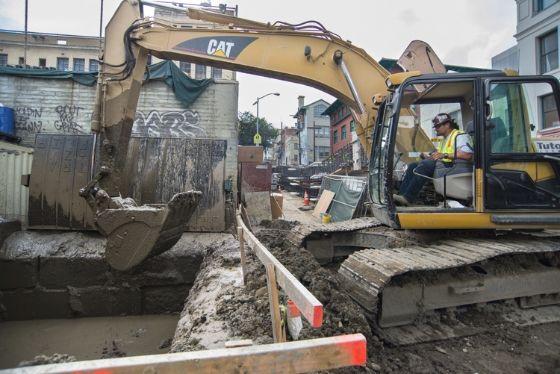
x=462, y=32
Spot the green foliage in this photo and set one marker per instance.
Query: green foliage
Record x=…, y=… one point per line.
x=247, y=128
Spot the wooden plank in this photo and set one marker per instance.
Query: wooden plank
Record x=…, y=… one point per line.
x=242, y=253
x=274, y=304
x=310, y=307
x=323, y=203
x=301, y=356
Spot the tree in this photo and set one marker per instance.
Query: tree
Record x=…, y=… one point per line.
x=247, y=128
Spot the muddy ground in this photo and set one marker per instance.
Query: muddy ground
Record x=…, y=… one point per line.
x=505, y=348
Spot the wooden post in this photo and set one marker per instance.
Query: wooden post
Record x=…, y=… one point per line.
x=242, y=252
x=274, y=302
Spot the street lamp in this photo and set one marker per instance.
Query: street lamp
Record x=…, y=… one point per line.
x=257, y=103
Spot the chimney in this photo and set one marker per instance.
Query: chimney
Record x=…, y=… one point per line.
x=300, y=100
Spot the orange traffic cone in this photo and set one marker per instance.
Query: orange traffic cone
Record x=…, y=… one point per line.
x=305, y=198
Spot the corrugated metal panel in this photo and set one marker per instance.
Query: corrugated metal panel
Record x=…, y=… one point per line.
x=62, y=166
x=15, y=161
x=156, y=169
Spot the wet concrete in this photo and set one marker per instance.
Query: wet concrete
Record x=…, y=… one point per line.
x=85, y=338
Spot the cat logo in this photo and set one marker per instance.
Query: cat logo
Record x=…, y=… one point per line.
x=219, y=46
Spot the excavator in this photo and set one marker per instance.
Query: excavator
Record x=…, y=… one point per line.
x=484, y=232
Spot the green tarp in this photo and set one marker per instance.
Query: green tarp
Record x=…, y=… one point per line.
x=87, y=79
x=186, y=90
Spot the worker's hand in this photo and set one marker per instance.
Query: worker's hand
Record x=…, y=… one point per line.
x=436, y=156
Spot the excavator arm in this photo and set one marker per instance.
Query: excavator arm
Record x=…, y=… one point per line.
x=306, y=53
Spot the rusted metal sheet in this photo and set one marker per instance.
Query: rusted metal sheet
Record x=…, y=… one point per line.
x=61, y=166
x=158, y=168
x=255, y=177
x=249, y=153
x=15, y=161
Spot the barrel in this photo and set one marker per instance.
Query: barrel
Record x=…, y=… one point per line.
x=7, y=120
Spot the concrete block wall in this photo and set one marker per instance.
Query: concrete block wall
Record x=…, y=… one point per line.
x=63, y=106
x=61, y=275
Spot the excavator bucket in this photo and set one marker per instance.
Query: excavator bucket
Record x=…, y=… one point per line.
x=135, y=233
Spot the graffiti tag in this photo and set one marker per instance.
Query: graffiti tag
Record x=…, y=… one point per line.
x=67, y=119
x=28, y=120
x=181, y=124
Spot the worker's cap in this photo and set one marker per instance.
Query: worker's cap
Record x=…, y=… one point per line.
x=441, y=119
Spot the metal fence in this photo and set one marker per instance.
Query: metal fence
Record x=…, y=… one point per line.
x=350, y=193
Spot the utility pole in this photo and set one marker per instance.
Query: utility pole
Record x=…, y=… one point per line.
x=25, y=42
x=101, y=30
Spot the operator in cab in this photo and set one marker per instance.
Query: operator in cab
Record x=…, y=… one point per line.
x=446, y=127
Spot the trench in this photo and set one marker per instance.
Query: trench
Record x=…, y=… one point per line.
x=59, y=297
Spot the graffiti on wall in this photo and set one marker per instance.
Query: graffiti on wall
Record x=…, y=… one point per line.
x=28, y=120
x=67, y=119
x=174, y=123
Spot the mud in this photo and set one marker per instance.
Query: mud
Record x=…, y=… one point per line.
x=503, y=348
x=219, y=279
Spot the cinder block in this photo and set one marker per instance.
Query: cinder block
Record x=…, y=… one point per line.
x=157, y=300
x=61, y=272
x=35, y=303
x=105, y=301
x=170, y=268
x=18, y=273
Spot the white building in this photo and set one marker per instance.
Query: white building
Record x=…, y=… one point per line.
x=314, y=131
x=536, y=53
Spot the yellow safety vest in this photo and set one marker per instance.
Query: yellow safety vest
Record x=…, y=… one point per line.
x=447, y=145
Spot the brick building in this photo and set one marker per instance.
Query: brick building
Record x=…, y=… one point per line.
x=342, y=130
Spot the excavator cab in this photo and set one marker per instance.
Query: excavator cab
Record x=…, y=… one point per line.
x=513, y=177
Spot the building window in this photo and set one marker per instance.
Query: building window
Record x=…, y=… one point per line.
x=549, y=51
x=42, y=62
x=79, y=64
x=21, y=61
x=335, y=136
x=540, y=5
x=343, y=133
x=549, y=112
x=93, y=66
x=296, y=146
x=149, y=60
x=62, y=63
x=352, y=126
x=318, y=110
x=200, y=71
x=216, y=73
x=3, y=59
x=185, y=67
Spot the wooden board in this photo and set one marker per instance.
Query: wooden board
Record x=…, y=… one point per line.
x=292, y=357
x=310, y=307
x=323, y=203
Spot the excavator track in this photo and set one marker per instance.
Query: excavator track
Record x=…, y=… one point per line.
x=397, y=285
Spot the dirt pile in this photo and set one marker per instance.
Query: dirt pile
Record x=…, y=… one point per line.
x=247, y=309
